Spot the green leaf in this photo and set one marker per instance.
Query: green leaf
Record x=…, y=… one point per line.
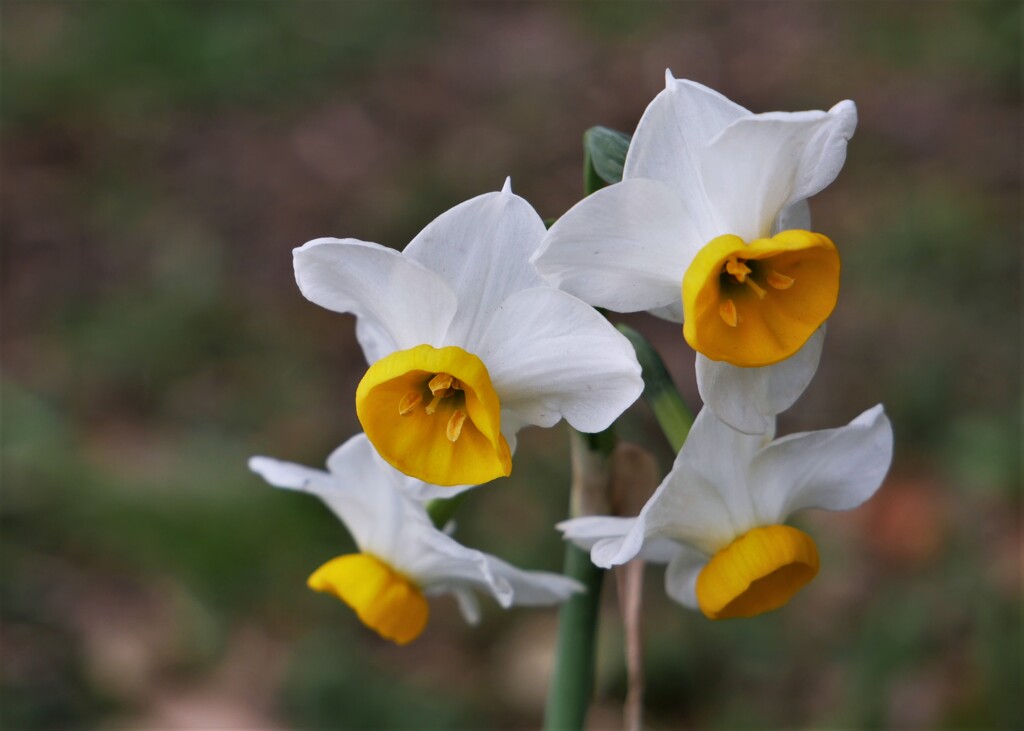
x=604, y=153
x=673, y=416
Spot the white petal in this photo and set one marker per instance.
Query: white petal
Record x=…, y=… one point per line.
x=760, y=164
x=433, y=558
x=550, y=356
x=375, y=341
x=626, y=247
x=398, y=530
x=672, y=312
x=666, y=146
x=586, y=532
x=748, y=399
x=720, y=456
x=349, y=507
x=359, y=454
x=357, y=459
x=405, y=304
x=469, y=605
x=534, y=588
x=832, y=469
x=291, y=476
x=446, y=566
x=705, y=499
x=511, y=423
x=795, y=215
x=362, y=496
x=367, y=496
x=681, y=576
x=482, y=249
x=425, y=492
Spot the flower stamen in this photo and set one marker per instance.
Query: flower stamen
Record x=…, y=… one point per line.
x=728, y=312
x=440, y=382
x=779, y=281
x=409, y=403
x=435, y=402
x=738, y=269
x=758, y=290
x=454, y=428
x=442, y=386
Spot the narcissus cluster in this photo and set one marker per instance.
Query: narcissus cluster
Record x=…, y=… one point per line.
x=487, y=322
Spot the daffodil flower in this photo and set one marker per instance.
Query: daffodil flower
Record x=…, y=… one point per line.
x=718, y=518
x=709, y=227
x=402, y=558
x=467, y=343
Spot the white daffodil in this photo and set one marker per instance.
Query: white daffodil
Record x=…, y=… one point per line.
x=467, y=343
x=718, y=517
x=709, y=227
x=402, y=557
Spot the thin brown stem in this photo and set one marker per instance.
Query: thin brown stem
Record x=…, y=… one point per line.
x=630, y=581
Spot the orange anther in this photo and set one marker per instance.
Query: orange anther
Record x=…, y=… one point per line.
x=779, y=281
x=737, y=269
x=727, y=310
x=409, y=403
x=454, y=428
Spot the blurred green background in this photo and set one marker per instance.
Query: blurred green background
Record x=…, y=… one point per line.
x=161, y=159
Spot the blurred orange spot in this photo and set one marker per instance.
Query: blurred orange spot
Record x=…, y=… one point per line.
x=906, y=522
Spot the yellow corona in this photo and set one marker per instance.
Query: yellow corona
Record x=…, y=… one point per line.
x=756, y=304
x=433, y=414
x=759, y=571
x=386, y=601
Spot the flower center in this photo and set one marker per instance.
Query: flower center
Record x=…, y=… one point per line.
x=761, y=570
x=385, y=601
x=439, y=388
x=755, y=304
x=433, y=414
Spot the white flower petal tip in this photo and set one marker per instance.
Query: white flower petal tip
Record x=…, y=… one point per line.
x=288, y=475
x=831, y=469
x=669, y=78
x=398, y=302
x=531, y=588
x=507, y=187
x=617, y=550
x=469, y=606
x=318, y=242
x=616, y=540
x=846, y=110
x=586, y=531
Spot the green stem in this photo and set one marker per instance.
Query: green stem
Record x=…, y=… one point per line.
x=572, y=683
x=673, y=416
